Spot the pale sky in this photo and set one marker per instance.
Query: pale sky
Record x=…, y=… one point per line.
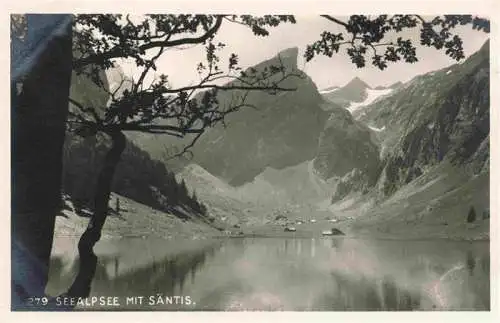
x=180, y=65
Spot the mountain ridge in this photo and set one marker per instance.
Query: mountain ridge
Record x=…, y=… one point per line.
x=270, y=136
x=356, y=90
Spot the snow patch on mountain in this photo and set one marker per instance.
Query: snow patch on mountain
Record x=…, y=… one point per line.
x=372, y=96
x=329, y=90
x=377, y=129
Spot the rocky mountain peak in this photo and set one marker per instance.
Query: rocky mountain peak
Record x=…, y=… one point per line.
x=289, y=56
x=354, y=91
x=282, y=132
x=357, y=83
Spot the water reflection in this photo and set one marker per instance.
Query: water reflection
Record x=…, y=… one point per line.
x=303, y=274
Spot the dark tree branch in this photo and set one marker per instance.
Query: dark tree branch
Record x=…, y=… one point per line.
x=187, y=149
x=86, y=110
x=216, y=116
x=228, y=88
x=149, y=65
x=117, y=51
x=235, y=21
x=153, y=127
x=185, y=41
x=335, y=20
x=422, y=20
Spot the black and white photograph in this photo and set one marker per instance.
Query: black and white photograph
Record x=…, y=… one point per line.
x=250, y=162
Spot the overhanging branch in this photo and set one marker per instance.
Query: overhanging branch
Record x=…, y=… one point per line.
x=335, y=20
x=227, y=88
x=116, y=52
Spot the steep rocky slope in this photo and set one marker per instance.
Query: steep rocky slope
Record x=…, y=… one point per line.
x=285, y=130
x=289, y=129
x=433, y=134
x=438, y=116
x=282, y=131
x=347, y=152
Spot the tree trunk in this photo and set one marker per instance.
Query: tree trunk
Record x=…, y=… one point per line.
x=88, y=259
x=39, y=110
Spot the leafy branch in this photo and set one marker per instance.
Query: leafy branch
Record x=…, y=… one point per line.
x=365, y=35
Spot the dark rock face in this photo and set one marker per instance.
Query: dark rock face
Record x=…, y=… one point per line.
x=453, y=126
x=283, y=131
x=480, y=161
x=288, y=57
x=354, y=181
x=347, y=152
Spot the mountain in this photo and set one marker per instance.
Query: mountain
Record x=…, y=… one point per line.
x=354, y=91
x=372, y=95
x=410, y=164
x=453, y=126
x=347, y=152
x=357, y=94
x=434, y=142
x=396, y=85
x=436, y=116
x=288, y=130
x=282, y=131
x=292, y=192
x=392, y=86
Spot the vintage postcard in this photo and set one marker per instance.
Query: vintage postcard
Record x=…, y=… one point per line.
x=230, y=162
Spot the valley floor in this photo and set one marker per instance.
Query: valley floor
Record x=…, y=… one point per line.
x=435, y=205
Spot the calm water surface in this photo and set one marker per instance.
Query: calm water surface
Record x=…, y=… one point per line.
x=326, y=274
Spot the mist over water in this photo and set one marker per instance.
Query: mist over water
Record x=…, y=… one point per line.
x=325, y=274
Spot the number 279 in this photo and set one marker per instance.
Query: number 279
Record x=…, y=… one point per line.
x=38, y=301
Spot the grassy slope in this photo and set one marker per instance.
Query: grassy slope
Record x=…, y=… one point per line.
x=433, y=206
x=136, y=220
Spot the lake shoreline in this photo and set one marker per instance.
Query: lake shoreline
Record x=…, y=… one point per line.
x=395, y=238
